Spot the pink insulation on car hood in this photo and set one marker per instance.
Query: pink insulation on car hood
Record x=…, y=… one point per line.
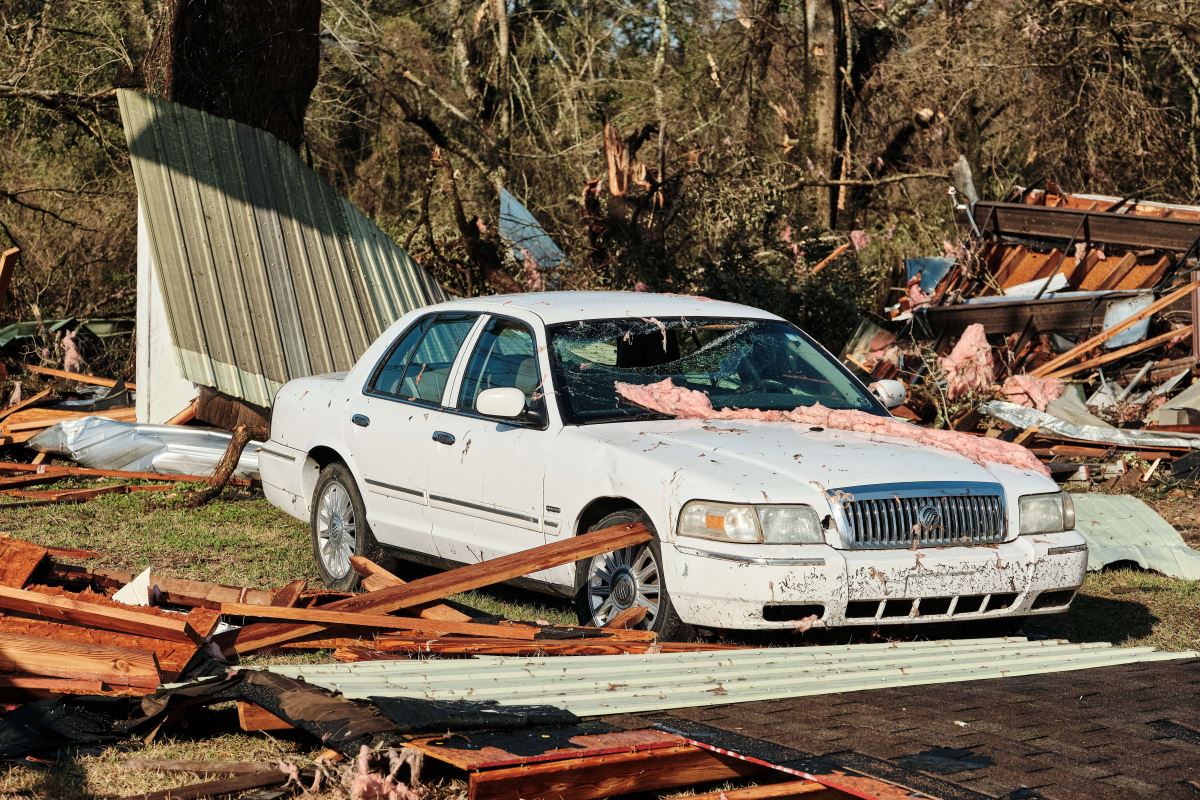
x=1031, y=391
x=667, y=398
x=969, y=368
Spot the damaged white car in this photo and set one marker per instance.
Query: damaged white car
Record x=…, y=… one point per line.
x=481, y=427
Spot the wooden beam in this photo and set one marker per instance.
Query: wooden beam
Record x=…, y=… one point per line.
x=358, y=619
x=375, y=577
x=776, y=791
x=629, y=618
x=289, y=593
x=173, y=657
x=186, y=415
x=609, y=776
x=80, y=612
x=75, y=376
x=87, y=472
x=438, y=587
x=28, y=402
x=18, y=561
x=116, y=666
x=1117, y=355
x=200, y=594
x=253, y=717
x=37, y=683
x=198, y=767
x=1057, y=363
x=218, y=788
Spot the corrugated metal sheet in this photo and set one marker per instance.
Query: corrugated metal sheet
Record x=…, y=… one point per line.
x=268, y=273
x=595, y=685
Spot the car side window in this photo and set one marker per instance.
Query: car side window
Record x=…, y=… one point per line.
x=419, y=365
x=504, y=357
x=389, y=374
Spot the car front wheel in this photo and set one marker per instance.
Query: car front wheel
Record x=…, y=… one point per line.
x=610, y=583
x=339, y=528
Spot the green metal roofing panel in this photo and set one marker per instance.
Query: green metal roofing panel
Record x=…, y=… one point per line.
x=268, y=274
x=1120, y=527
x=596, y=685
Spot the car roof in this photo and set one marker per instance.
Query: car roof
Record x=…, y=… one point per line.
x=555, y=307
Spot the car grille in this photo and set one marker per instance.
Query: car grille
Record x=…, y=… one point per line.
x=902, y=519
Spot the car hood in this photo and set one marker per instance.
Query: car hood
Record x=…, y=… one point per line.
x=784, y=462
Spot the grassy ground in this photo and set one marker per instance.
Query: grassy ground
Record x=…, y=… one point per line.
x=242, y=540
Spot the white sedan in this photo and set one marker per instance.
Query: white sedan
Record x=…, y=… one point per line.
x=478, y=428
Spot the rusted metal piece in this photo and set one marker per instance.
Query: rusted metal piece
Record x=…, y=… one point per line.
x=1130, y=230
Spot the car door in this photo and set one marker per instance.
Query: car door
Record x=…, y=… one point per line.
x=388, y=430
x=485, y=474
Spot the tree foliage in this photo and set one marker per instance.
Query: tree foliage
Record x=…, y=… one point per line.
x=720, y=147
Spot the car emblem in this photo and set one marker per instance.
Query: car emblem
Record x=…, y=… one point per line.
x=930, y=518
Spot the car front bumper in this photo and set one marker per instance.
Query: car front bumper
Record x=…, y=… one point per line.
x=769, y=587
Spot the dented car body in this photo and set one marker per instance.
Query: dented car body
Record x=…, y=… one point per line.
x=481, y=427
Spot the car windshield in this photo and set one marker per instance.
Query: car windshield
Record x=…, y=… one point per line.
x=738, y=363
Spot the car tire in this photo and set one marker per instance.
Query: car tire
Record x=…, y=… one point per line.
x=339, y=528
x=593, y=607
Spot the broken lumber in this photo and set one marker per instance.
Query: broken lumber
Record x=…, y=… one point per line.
x=18, y=561
x=352, y=619
x=375, y=577
x=76, y=376
x=610, y=775
x=28, y=402
x=116, y=666
x=200, y=594
x=218, y=788
x=438, y=587
x=289, y=593
x=1058, y=362
x=198, y=767
x=173, y=657
x=253, y=717
x=629, y=618
x=1117, y=355
x=80, y=612
x=88, y=472
x=776, y=791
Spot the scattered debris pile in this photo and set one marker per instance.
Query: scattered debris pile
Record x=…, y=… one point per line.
x=1069, y=327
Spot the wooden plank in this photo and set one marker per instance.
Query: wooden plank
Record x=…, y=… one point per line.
x=37, y=420
x=388, y=645
x=87, y=472
x=186, y=415
x=1117, y=355
x=253, y=717
x=440, y=586
x=75, y=376
x=28, y=402
x=198, y=767
x=515, y=748
x=173, y=657
x=628, y=618
x=200, y=594
x=289, y=593
x=775, y=791
x=611, y=775
x=375, y=577
x=117, y=666
x=80, y=612
x=1055, y=364
x=217, y=788
x=18, y=561
x=358, y=619
x=36, y=683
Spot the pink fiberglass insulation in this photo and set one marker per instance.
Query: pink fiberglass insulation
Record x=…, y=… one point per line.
x=969, y=368
x=1031, y=391
x=667, y=398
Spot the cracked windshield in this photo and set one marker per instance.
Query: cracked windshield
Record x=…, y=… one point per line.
x=759, y=364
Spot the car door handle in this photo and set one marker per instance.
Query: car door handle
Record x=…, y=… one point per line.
x=441, y=437
x=361, y=420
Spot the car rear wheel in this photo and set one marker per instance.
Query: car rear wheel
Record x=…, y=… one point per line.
x=339, y=528
x=609, y=583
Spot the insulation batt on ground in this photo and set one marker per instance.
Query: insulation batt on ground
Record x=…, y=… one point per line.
x=969, y=367
x=667, y=398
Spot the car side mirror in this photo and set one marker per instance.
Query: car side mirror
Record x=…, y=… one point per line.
x=890, y=392
x=505, y=402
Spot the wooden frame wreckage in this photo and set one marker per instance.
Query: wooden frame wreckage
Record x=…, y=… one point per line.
x=1068, y=326
x=94, y=656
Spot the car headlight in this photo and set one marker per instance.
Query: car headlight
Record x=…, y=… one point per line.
x=726, y=522
x=1047, y=513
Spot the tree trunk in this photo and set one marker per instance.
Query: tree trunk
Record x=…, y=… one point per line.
x=825, y=62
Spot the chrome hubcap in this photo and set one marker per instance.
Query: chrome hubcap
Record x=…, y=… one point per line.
x=336, y=530
x=621, y=580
